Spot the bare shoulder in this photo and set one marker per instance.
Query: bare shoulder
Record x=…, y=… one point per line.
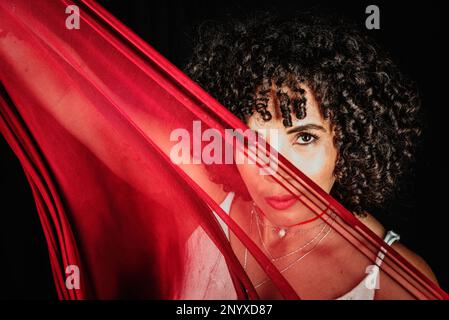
x=418, y=262
x=373, y=224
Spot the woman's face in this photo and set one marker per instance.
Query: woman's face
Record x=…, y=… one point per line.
x=308, y=145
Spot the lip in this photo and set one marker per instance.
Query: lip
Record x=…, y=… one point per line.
x=281, y=202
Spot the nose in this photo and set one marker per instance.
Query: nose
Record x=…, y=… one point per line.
x=281, y=144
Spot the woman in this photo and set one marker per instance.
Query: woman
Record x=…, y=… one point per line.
x=345, y=116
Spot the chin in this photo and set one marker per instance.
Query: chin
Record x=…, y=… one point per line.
x=283, y=217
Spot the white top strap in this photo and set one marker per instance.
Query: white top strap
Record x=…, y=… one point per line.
x=226, y=206
x=389, y=239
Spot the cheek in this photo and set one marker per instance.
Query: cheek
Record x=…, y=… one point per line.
x=250, y=176
x=318, y=164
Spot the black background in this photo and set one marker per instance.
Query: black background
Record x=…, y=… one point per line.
x=411, y=32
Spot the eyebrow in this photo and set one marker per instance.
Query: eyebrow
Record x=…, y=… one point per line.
x=305, y=127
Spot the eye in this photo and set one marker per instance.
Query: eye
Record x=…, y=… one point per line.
x=305, y=138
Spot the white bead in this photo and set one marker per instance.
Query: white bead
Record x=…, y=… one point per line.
x=282, y=233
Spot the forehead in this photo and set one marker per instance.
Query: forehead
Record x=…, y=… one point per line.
x=313, y=112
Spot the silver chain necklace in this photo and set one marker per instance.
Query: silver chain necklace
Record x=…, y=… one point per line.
x=283, y=231
x=290, y=265
x=273, y=259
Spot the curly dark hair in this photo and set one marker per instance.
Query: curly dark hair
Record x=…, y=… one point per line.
x=374, y=109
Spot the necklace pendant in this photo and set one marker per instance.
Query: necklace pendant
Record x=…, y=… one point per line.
x=282, y=233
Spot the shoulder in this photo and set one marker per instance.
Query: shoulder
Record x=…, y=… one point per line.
x=418, y=262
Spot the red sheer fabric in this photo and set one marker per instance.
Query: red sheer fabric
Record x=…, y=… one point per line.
x=89, y=113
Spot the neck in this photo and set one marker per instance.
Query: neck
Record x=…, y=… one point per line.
x=283, y=239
